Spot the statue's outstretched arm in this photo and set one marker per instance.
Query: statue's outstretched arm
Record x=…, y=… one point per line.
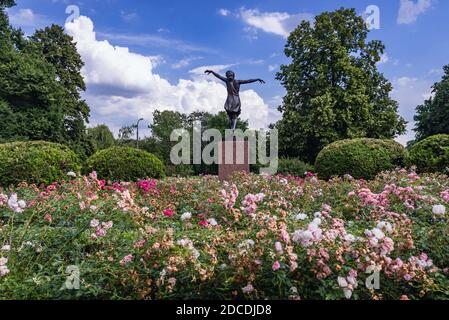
x=216, y=75
x=251, y=81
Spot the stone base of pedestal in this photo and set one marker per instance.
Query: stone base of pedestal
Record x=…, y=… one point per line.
x=233, y=156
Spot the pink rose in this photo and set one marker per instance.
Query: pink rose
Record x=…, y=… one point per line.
x=169, y=213
x=126, y=259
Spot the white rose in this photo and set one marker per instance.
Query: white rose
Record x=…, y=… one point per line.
x=22, y=204
x=71, y=174
x=439, y=210
x=301, y=216
x=378, y=233
x=94, y=223
x=212, y=222
x=186, y=216
x=342, y=282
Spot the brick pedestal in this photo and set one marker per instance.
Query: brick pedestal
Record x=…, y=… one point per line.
x=233, y=156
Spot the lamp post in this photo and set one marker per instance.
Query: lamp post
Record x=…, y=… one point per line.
x=137, y=127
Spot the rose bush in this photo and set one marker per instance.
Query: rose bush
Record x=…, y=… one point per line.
x=255, y=237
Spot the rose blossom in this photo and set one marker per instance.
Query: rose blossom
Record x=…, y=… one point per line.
x=94, y=223
x=168, y=213
x=248, y=289
x=439, y=210
x=126, y=259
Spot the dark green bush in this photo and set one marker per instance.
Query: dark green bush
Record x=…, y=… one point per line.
x=180, y=170
x=293, y=167
x=430, y=154
x=361, y=158
x=36, y=162
x=125, y=164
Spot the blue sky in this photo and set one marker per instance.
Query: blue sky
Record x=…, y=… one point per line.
x=146, y=55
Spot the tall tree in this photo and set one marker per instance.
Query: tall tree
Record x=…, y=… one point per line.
x=4, y=21
x=334, y=90
x=60, y=51
x=101, y=137
x=31, y=97
x=40, y=87
x=432, y=117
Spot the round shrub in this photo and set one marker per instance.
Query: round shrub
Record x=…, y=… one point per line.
x=361, y=158
x=293, y=167
x=36, y=162
x=125, y=164
x=430, y=154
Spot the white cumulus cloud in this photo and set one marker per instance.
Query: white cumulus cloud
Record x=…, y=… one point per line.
x=410, y=10
x=122, y=85
x=278, y=23
x=26, y=18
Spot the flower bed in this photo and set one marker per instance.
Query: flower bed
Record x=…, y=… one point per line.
x=257, y=237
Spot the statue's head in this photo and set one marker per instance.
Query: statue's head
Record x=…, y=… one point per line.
x=230, y=75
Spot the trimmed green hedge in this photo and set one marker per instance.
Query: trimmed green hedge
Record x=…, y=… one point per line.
x=125, y=164
x=293, y=167
x=430, y=154
x=361, y=158
x=36, y=162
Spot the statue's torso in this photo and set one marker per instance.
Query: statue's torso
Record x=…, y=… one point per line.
x=233, y=101
x=233, y=87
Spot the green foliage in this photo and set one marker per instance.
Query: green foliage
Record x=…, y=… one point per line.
x=180, y=170
x=40, y=87
x=432, y=117
x=430, y=154
x=101, y=136
x=30, y=97
x=36, y=162
x=334, y=90
x=293, y=167
x=164, y=122
x=125, y=164
x=360, y=158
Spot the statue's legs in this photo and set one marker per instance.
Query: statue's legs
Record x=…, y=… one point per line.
x=233, y=121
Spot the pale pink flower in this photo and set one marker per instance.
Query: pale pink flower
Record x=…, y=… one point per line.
x=248, y=289
x=3, y=261
x=439, y=210
x=139, y=244
x=94, y=223
x=172, y=281
x=278, y=247
x=93, y=175
x=107, y=225
x=3, y=199
x=4, y=270
x=16, y=205
x=100, y=232
x=127, y=259
x=276, y=266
